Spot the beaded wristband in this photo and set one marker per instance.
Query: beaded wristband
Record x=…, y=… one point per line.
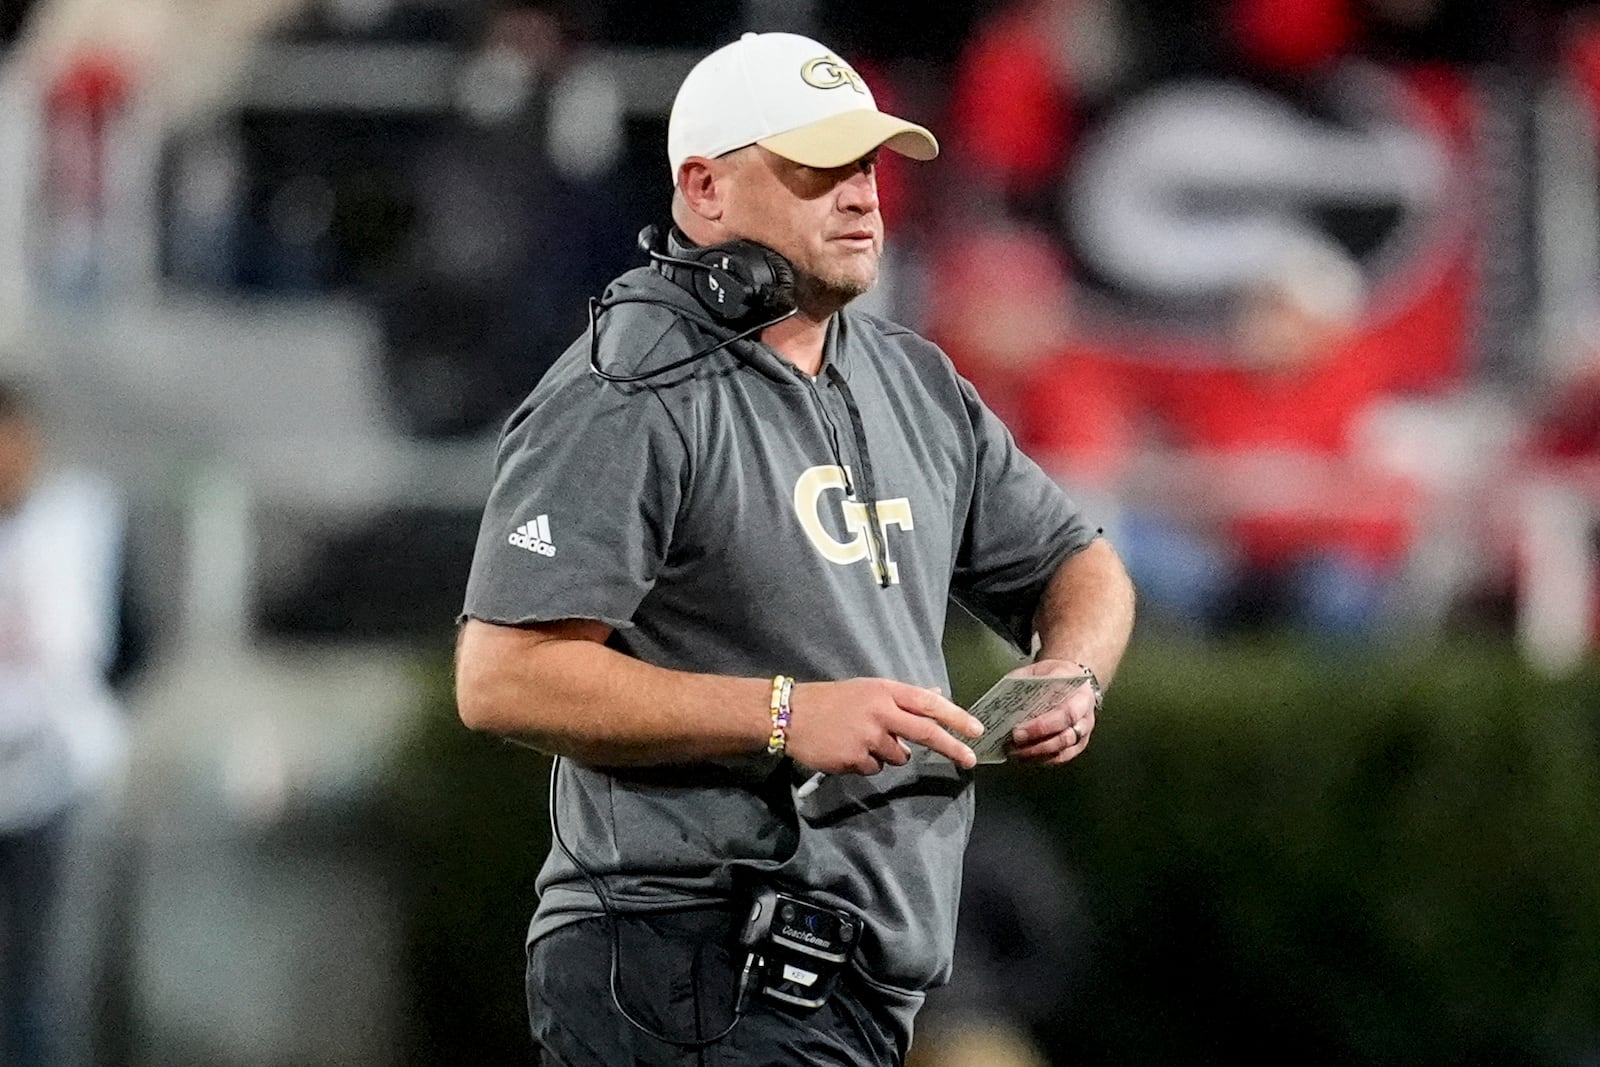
x=782, y=689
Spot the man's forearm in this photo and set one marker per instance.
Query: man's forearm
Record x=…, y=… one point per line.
x=1086, y=614
x=578, y=698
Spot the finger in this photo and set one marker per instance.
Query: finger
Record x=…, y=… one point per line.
x=932, y=705
x=892, y=750
x=868, y=765
x=1043, y=750
x=1055, y=721
x=1041, y=726
x=1040, y=755
x=1068, y=743
x=925, y=731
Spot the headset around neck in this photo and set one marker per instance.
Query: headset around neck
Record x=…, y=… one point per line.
x=741, y=284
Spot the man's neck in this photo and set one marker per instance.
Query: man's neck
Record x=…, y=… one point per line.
x=800, y=339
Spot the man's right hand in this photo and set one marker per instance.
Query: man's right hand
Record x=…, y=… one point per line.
x=857, y=726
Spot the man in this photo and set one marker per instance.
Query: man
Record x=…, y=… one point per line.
x=61, y=735
x=658, y=559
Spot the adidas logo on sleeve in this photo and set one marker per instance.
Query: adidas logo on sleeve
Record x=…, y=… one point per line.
x=534, y=536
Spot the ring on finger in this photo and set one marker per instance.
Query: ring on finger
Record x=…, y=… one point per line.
x=1077, y=738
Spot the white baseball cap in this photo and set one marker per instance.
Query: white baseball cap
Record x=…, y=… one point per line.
x=790, y=95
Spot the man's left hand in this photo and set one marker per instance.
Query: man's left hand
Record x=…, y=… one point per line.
x=1062, y=733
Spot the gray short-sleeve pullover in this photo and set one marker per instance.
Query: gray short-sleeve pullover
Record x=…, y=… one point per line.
x=704, y=515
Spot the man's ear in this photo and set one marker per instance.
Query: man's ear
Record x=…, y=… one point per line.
x=701, y=188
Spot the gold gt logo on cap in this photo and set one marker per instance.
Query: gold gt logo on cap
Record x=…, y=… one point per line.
x=830, y=72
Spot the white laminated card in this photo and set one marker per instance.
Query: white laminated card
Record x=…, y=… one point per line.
x=1011, y=701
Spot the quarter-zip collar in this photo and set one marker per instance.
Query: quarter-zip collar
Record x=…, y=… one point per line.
x=666, y=297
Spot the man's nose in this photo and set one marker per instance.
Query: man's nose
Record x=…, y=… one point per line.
x=859, y=192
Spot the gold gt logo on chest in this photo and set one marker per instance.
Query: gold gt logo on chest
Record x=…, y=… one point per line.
x=815, y=484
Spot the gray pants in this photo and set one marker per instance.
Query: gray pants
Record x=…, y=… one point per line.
x=678, y=975
x=30, y=866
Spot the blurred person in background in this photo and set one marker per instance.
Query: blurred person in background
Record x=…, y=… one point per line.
x=1274, y=405
x=1003, y=307
x=1263, y=512
x=1319, y=551
x=1017, y=95
x=61, y=736
x=1560, y=446
x=1000, y=304
x=654, y=558
x=1566, y=421
x=1302, y=537
x=477, y=313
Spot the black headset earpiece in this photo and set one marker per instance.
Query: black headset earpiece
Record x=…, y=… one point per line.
x=736, y=281
x=741, y=284
x=649, y=240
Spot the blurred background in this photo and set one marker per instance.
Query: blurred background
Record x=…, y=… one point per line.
x=1300, y=297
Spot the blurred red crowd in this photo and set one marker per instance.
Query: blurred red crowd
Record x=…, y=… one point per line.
x=1246, y=418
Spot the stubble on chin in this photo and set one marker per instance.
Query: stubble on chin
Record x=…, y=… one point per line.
x=820, y=295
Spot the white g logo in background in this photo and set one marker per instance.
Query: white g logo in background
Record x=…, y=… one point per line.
x=807, y=508
x=1197, y=188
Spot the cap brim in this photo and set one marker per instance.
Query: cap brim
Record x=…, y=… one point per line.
x=842, y=139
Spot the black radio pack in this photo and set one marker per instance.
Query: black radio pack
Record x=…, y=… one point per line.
x=797, y=948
